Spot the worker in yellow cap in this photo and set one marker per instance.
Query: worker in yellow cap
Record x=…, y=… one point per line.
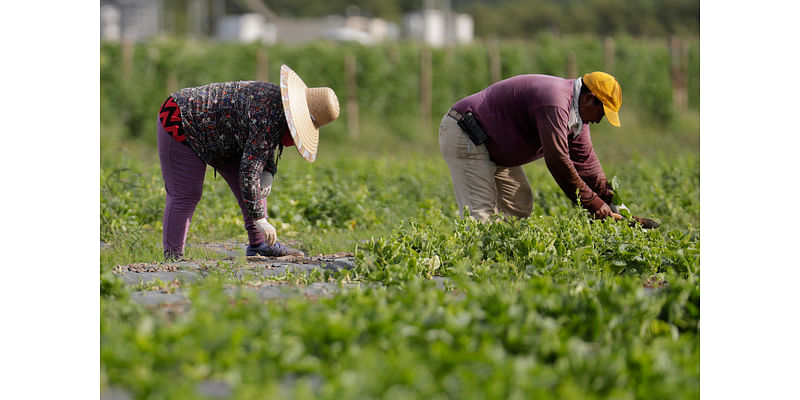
x=486, y=137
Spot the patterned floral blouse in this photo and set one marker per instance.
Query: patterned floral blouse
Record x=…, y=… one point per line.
x=241, y=120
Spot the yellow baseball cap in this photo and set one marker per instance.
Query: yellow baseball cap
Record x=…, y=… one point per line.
x=606, y=88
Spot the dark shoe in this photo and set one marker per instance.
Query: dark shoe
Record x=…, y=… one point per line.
x=171, y=256
x=276, y=250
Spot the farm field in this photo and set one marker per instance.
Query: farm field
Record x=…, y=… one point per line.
x=427, y=305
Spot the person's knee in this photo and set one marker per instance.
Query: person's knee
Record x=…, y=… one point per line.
x=187, y=200
x=526, y=201
x=520, y=207
x=526, y=210
x=517, y=210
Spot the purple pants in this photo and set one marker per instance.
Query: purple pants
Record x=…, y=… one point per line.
x=183, y=174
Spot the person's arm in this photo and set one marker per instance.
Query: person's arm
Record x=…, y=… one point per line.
x=253, y=166
x=581, y=151
x=258, y=165
x=266, y=183
x=551, y=123
x=585, y=160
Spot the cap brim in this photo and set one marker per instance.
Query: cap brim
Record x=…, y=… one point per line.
x=298, y=118
x=611, y=115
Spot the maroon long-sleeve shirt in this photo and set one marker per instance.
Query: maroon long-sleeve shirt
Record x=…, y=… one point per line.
x=525, y=118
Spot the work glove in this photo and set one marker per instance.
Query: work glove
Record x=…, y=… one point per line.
x=266, y=183
x=270, y=235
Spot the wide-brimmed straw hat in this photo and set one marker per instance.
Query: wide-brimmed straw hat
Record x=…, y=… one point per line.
x=306, y=110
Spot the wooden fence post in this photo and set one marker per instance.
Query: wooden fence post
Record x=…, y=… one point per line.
x=352, y=94
x=262, y=66
x=572, y=66
x=679, y=68
x=392, y=52
x=608, y=54
x=494, y=62
x=425, y=89
x=685, y=73
x=172, y=82
x=127, y=58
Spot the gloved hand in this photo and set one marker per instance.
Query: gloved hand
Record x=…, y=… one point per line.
x=266, y=183
x=270, y=235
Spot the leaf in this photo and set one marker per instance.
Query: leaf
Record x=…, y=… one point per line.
x=616, y=183
x=616, y=186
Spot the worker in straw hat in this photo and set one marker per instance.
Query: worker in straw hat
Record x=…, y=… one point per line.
x=240, y=129
x=486, y=137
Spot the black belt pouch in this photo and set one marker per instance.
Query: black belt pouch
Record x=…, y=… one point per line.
x=470, y=125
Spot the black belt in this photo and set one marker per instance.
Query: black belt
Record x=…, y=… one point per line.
x=470, y=126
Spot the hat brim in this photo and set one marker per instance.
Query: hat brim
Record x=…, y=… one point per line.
x=295, y=108
x=611, y=115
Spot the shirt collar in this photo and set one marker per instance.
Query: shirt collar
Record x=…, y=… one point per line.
x=575, y=123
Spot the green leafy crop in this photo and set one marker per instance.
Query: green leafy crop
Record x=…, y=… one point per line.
x=554, y=306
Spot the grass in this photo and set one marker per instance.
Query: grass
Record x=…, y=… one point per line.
x=554, y=306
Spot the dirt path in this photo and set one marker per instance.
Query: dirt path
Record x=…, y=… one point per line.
x=160, y=284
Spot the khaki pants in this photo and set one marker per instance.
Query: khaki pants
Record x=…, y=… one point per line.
x=480, y=184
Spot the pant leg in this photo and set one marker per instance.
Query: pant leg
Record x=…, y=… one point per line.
x=514, y=195
x=471, y=169
x=183, y=173
x=230, y=172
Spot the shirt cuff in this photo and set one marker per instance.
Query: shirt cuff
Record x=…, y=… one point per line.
x=605, y=192
x=594, y=204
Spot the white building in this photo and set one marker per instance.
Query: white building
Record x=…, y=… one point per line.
x=143, y=19
x=138, y=20
x=110, y=24
x=246, y=28
x=438, y=28
x=129, y=19
x=334, y=27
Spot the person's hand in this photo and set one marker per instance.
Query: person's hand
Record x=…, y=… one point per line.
x=268, y=230
x=617, y=208
x=604, y=212
x=266, y=183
